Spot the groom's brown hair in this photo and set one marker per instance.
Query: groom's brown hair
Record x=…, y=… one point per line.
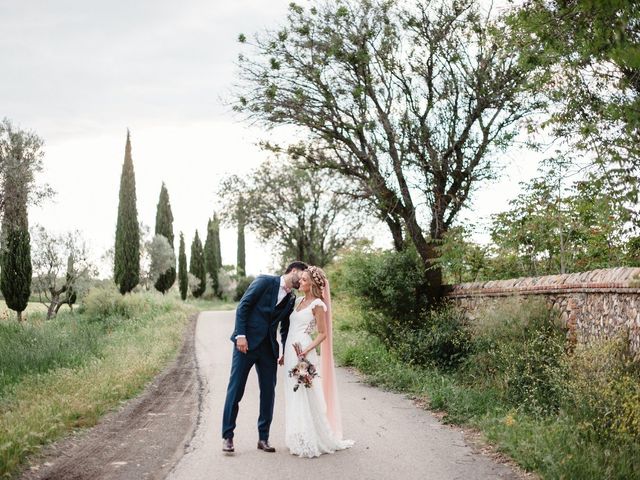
x=297, y=264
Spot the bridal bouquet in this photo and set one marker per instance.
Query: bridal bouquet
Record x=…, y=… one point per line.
x=304, y=372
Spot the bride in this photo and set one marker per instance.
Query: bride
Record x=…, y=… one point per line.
x=312, y=414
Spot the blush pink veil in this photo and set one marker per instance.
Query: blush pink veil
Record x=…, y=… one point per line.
x=328, y=371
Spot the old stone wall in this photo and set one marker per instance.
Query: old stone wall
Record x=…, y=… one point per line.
x=592, y=305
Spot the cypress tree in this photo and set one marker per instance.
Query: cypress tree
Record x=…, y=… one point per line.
x=164, y=226
x=196, y=266
x=183, y=278
x=210, y=259
x=20, y=154
x=215, y=224
x=241, y=259
x=127, y=249
x=15, y=278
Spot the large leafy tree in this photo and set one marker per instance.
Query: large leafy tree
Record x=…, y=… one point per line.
x=183, y=278
x=20, y=159
x=408, y=100
x=552, y=229
x=197, y=266
x=164, y=227
x=127, y=248
x=585, y=57
x=294, y=208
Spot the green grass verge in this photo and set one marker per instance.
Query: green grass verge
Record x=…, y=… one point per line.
x=64, y=374
x=554, y=446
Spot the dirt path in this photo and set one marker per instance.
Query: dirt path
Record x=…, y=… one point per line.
x=143, y=440
x=394, y=439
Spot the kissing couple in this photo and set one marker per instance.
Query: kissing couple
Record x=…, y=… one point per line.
x=312, y=413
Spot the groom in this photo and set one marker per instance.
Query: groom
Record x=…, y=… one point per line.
x=267, y=302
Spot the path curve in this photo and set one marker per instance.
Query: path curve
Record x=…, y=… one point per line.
x=394, y=438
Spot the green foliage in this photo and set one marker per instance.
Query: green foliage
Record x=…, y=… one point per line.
x=164, y=227
x=390, y=286
x=15, y=265
x=241, y=286
x=441, y=340
x=518, y=349
x=197, y=266
x=127, y=248
x=591, y=435
x=585, y=58
x=388, y=97
x=37, y=347
x=183, y=278
x=461, y=259
x=304, y=217
x=241, y=267
x=550, y=230
x=603, y=389
x=212, y=254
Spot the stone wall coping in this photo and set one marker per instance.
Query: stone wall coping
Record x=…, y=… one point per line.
x=617, y=280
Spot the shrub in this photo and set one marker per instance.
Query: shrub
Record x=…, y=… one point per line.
x=603, y=389
x=441, y=340
x=102, y=303
x=241, y=287
x=518, y=348
x=390, y=286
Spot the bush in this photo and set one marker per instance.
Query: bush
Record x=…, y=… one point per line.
x=102, y=303
x=603, y=389
x=390, y=286
x=442, y=340
x=241, y=287
x=518, y=348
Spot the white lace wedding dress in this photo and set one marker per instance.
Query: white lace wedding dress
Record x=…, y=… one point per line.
x=307, y=430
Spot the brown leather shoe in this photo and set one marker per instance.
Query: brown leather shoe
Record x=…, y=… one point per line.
x=227, y=445
x=264, y=445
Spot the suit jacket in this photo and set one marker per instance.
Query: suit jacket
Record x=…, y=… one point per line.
x=257, y=316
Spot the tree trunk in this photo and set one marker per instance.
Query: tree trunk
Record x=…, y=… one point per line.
x=52, y=310
x=396, y=232
x=19, y=316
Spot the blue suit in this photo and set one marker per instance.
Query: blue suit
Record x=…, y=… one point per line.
x=257, y=317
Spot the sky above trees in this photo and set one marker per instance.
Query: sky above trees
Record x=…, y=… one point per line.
x=80, y=73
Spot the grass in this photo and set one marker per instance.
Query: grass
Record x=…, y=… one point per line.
x=556, y=446
x=59, y=375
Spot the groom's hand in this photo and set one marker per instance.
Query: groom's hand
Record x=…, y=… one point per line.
x=242, y=345
x=281, y=360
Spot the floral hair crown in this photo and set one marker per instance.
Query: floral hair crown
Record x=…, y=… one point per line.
x=317, y=275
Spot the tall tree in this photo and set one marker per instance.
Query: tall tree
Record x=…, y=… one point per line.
x=183, y=278
x=303, y=217
x=409, y=100
x=127, y=248
x=164, y=227
x=241, y=261
x=197, y=267
x=212, y=267
x=585, y=57
x=20, y=159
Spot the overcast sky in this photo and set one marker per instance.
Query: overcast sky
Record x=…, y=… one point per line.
x=80, y=72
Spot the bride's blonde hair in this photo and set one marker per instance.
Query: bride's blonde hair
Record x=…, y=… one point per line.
x=318, y=280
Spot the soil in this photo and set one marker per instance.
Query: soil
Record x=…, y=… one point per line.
x=144, y=439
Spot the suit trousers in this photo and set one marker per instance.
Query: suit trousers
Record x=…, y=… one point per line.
x=267, y=369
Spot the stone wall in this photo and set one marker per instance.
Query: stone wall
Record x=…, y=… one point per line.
x=593, y=305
